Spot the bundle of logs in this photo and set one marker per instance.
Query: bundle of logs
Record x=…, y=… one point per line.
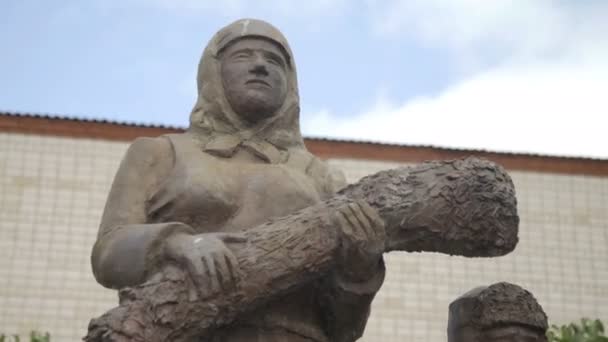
x=461, y=207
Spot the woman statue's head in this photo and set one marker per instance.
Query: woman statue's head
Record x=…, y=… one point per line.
x=247, y=86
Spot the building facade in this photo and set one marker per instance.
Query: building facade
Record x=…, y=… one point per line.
x=55, y=175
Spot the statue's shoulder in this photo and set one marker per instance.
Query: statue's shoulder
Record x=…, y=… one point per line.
x=149, y=149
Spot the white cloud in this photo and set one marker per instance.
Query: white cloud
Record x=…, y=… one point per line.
x=519, y=29
x=557, y=109
x=546, y=93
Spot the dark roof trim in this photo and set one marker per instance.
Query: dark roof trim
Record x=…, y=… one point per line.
x=325, y=148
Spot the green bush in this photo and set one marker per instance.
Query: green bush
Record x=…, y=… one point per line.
x=34, y=337
x=587, y=331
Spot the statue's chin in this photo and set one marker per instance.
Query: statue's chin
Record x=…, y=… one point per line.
x=255, y=104
x=255, y=117
x=254, y=111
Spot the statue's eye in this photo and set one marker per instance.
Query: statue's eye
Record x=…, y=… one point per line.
x=241, y=55
x=276, y=60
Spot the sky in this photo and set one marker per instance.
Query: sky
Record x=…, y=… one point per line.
x=523, y=76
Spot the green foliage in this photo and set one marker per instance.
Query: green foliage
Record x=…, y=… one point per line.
x=34, y=337
x=587, y=331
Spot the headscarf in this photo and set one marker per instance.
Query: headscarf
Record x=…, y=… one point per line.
x=218, y=128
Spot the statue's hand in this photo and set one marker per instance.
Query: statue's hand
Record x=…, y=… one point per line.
x=362, y=241
x=210, y=263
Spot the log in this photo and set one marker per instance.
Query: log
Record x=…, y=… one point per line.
x=460, y=207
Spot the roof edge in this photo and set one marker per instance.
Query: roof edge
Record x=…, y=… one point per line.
x=55, y=125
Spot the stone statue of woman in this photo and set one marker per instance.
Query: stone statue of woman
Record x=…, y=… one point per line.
x=186, y=199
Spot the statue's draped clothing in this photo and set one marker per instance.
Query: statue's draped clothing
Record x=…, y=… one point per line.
x=225, y=176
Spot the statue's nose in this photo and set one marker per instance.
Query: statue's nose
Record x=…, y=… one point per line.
x=259, y=68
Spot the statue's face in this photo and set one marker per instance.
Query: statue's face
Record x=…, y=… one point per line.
x=498, y=334
x=513, y=334
x=254, y=77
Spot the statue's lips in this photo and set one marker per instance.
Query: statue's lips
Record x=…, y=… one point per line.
x=258, y=82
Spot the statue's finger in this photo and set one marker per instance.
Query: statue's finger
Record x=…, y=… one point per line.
x=344, y=224
x=223, y=273
x=211, y=273
x=372, y=215
x=358, y=228
x=364, y=222
x=233, y=268
x=232, y=237
x=196, y=269
x=348, y=238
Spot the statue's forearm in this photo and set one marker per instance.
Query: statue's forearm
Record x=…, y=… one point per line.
x=464, y=207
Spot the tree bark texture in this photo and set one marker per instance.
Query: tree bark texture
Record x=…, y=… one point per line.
x=461, y=207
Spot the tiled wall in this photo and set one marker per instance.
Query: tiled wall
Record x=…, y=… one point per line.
x=52, y=192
